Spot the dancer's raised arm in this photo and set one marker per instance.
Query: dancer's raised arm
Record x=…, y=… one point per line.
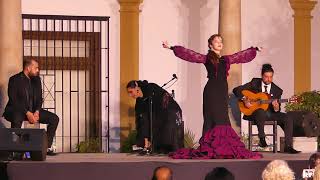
x=242, y=56
x=186, y=54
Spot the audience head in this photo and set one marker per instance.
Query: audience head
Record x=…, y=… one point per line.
x=162, y=173
x=316, y=174
x=219, y=173
x=314, y=160
x=277, y=170
x=31, y=67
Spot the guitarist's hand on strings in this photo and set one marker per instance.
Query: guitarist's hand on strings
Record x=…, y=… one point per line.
x=276, y=105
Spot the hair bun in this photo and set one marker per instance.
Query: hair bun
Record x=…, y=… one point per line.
x=266, y=66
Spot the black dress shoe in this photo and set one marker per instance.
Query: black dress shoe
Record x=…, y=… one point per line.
x=290, y=150
x=51, y=153
x=136, y=149
x=263, y=142
x=17, y=156
x=145, y=152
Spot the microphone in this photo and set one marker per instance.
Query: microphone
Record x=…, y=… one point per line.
x=172, y=94
x=174, y=76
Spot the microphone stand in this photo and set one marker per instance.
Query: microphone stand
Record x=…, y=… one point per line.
x=151, y=116
x=151, y=124
x=168, y=82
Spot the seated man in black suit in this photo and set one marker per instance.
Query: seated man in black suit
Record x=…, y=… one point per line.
x=266, y=85
x=25, y=101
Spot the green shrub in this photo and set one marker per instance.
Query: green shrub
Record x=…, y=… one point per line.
x=91, y=145
x=189, y=141
x=308, y=101
x=126, y=146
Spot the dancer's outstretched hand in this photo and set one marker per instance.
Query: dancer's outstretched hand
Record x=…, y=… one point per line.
x=260, y=49
x=165, y=44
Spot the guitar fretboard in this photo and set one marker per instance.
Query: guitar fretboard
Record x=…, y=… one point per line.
x=270, y=101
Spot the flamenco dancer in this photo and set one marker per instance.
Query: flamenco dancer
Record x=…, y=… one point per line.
x=219, y=140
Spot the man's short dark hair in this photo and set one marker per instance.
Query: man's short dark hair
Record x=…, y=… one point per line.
x=219, y=173
x=28, y=61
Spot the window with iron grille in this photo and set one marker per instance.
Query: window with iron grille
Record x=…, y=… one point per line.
x=73, y=56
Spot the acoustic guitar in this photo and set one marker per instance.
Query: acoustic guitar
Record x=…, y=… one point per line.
x=260, y=101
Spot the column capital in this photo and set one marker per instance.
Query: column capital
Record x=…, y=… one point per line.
x=302, y=8
x=130, y=5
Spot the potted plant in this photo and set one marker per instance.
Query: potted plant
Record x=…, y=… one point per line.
x=126, y=146
x=91, y=145
x=307, y=101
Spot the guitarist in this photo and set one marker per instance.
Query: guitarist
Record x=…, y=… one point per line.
x=265, y=84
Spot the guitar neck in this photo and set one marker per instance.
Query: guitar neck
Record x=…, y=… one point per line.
x=270, y=101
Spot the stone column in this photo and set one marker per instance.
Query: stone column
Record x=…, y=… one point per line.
x=230, y=29
x=10, y=45
x=129, y=60
x=302, y=44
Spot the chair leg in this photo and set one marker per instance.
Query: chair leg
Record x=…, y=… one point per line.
x=275, y=132
x=250, y=135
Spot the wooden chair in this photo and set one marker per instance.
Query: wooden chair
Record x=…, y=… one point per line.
x=28, y=125
x=233, y=104
x=274, y=134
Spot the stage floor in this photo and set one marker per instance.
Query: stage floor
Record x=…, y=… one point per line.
x=130, y=166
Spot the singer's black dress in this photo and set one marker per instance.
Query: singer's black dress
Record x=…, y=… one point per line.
x=167, y=121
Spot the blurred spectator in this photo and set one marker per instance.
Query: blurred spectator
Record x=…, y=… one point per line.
x=316, y=174
x=277, y=170
x=219, y=173
x=162, y=173
x=314, y=160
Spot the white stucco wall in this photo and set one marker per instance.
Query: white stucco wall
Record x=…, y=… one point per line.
x=189, y=23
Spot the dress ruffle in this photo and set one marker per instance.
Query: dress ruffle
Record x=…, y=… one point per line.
x=221, y=142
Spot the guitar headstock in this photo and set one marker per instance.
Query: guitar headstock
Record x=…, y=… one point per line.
x=294, y=99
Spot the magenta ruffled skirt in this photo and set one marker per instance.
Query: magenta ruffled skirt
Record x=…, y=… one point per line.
x=221, y=142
